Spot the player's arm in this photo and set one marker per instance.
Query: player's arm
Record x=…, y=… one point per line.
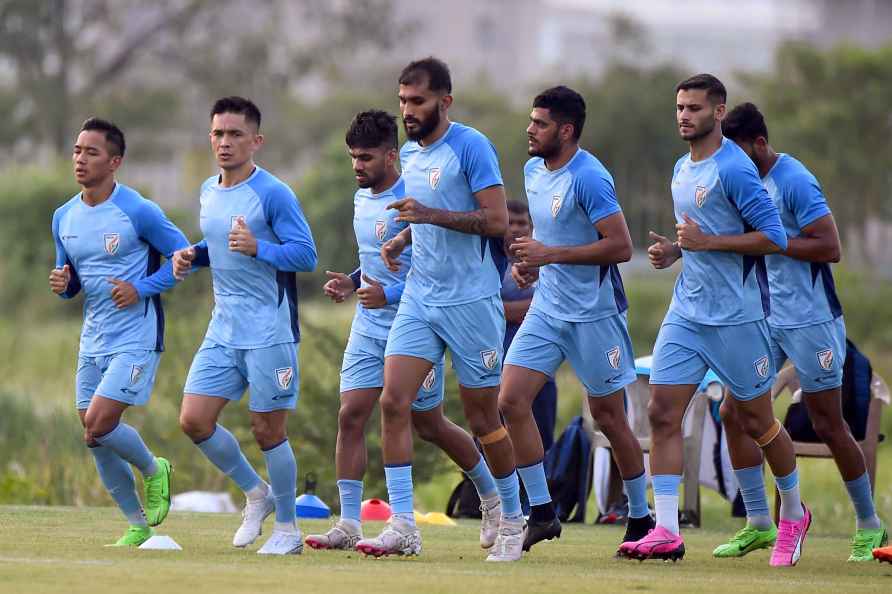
x=615, y=246
x=516, y=311
x=64, y=280
x=297, y=250
x=490, y=220
x=393, y=248
x=159, y=232
x=818, y=239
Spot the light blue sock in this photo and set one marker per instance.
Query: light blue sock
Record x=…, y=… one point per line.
x=482, y=479
x=509, y=493
x=862, y=499
x=118, y=479
x=636, y=491
x=399, y=490
x=282, y=469
x=223, y=450
x=534, y=481
x=666, y=500
x=751, y=482
x=791, y=504
x=126, y=442
x=351, y=499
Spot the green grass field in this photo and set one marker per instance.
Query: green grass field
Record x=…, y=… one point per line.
x=60, y=550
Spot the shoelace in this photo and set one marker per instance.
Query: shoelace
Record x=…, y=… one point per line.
x=743, y=537
x=861, y=546
x=786, y=535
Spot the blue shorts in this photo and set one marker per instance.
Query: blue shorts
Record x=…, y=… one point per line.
x=600, y=351
x=817, y=352
x=363, y=367
x=739, y=354
x=272, y=374
x=472, y=331
x=127, y=377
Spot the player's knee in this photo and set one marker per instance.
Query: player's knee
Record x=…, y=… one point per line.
x=829, y=431
x=727, y=412
x=754, y=425
x=610, y=421
x=97, y=424
x=512, y=408
x=195, y=427
x=662, y=417
x=351, y=419
x=395, y=405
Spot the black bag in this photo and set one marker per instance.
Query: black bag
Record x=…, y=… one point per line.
x=464, y=501
x=568, y=468
x=856, y=376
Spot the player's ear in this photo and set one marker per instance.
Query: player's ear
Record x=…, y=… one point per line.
x=446, y=101
x=259, y=139
x=115, y=162
x=391, y=156
x=720, y=111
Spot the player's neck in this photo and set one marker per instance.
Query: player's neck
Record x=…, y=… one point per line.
x=390, y=177
x=438, y=132
x=562, y=157
x=95, y=195
x=765, y=165
x=233, y=177
x=704, y=147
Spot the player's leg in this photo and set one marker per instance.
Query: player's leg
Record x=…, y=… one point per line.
x=545, y=413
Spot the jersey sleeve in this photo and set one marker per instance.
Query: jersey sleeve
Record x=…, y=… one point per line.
x=479, y=161
x=393, y=293
x=806, y=200
x=595, y=195
x=741, y=183
x=297, y=250
x=158, y=231
x=74, y=283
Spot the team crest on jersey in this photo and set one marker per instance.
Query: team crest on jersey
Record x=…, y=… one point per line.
x=556, y=202
x=112, y=243
x=614, y=356
x=135, y=373
x=380, y=229
x=429, y=380
x=234, y=220
x=284, y=375
x=762, y=366
x=700, y=194
x=825, y=359
x=490, y=358
x=433, y=177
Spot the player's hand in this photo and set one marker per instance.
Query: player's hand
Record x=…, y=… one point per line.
x=662, y=252
x=524, y=275
x=123, y=293
x=411, y=211
x=182, y=262
x=339, y=286
x=241, y=239
x=391, y=251
x=690, y=237
x=530, y=252
x=59, y=279
x=371, y=296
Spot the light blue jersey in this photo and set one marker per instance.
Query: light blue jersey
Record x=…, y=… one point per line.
x=564, y=206
x=802, y=293
x=123, y=237
x=373, y=224
x=255, y=298
x=724, y=196
x=449, y=267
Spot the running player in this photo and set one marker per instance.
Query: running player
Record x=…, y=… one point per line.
x=726, y=223
x=109, y=242
x=578, y=311
x=455, y=205
x=255, y=239
x=806, y=326
x=372, y=144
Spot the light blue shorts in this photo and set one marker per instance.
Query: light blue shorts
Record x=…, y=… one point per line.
x=600, y=352
x=818, y=353
x=363, y=368
x=272, y=373
x=739, y=354
x=127, y=377
x=472, y=331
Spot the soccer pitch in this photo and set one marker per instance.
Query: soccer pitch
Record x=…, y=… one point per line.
x=60, y=550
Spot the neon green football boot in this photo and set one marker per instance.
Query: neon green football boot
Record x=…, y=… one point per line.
x=865, y=541
x=135, y=536
x=747, y=540
x=157, y=492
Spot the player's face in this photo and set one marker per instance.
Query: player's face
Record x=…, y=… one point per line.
x=518, y=224
x=543, y=139
x=233, y=140
x=370, y=164
x=695, y=114
x=91, y=158
x=421, y=110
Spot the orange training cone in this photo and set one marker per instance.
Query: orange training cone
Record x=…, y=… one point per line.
x=375, y=510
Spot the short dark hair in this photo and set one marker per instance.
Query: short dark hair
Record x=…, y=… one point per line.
x=371, y=129
x=565, y=106
x=745, y=122
x=715, y=90
x=239, y=105
x=518, y=207
x=114, y=137
x=431, y=69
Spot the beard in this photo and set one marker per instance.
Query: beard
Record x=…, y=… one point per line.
x=425, y=127
x=546, y=150
x=698, y=134
x=370, y=181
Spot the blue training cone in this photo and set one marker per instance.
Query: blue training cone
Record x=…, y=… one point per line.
x=309, y=505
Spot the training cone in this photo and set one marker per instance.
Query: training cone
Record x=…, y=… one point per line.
x=160, y=543
x=309, y=505
x=438, y=519
x=375, y=510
